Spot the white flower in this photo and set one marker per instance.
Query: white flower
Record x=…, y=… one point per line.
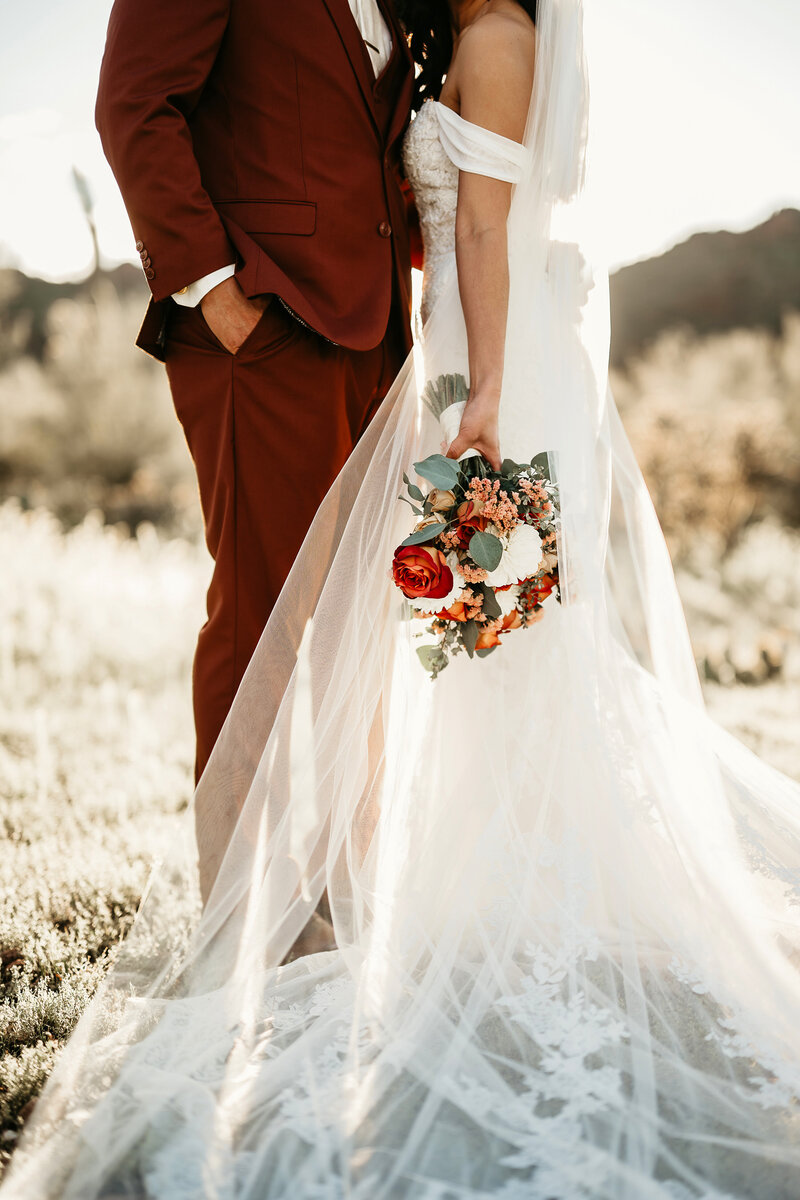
x=425, y=604
x=521, y=557
x=507, y=600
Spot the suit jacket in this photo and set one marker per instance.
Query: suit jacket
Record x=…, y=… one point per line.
x=254, y=132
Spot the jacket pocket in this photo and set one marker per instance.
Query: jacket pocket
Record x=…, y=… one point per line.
x=297, y=217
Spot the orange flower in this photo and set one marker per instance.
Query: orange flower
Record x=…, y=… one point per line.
x=421, y=571
x=490, y=636
x=426, y=521
x=546, y=586
x=486, y=638
x=456, y=612
x=441, y=500
x=535, y=595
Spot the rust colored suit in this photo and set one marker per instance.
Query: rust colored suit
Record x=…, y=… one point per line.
x=254, y=132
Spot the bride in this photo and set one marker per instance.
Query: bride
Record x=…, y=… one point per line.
x=564, y=902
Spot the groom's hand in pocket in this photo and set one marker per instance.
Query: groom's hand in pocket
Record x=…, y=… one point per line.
x=230, y=315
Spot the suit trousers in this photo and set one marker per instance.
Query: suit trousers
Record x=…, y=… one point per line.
x=288, y=404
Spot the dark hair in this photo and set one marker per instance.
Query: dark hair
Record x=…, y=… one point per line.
x=428, y=27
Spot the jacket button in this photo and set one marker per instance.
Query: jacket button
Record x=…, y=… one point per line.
x=385, y=229
x=150, y=273
x=140, y=246
x=146, y=261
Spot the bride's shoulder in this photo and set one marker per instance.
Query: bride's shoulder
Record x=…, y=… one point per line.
x=503, y=38
x=492, y=70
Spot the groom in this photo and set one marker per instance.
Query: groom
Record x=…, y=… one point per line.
x=257, y=148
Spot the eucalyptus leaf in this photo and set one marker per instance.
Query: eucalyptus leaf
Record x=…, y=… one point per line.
x=490, y=604
x=509, y=467
x=485, y=651
x=469, y=636
x=430, y=657
x=485, y=550
x=414, y=491
x=541, y=463
x=440, y=471
x=423, y=535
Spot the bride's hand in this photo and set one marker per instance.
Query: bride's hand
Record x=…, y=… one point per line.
x=479, y=430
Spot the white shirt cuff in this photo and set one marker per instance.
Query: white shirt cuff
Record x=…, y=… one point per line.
x=191, y=295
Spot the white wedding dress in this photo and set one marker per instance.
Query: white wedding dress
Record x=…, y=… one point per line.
x=565, y=903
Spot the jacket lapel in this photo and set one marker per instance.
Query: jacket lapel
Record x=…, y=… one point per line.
x=402, y=110
x=353, y=43
x=358, y=54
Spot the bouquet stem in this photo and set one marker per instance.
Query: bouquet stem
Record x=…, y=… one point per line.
x=450, y=423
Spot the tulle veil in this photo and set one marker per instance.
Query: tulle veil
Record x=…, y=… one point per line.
x=564, y=901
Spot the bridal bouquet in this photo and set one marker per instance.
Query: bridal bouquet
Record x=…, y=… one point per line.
x=481, y=559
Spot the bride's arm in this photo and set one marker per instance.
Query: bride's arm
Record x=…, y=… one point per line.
x=494, y=76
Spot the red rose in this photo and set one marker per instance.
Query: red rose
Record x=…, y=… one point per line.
x=470, y=520
x=422, y=571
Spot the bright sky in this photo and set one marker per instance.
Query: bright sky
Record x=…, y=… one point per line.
x=698, y=102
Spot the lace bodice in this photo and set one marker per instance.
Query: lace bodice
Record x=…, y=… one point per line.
x=434, y=179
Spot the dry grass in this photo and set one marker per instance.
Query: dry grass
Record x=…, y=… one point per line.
x=715, y=423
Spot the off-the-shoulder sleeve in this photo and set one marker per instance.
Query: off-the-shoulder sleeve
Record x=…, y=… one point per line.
x=480, y=151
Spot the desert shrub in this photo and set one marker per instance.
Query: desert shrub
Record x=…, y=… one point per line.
x=91, y=425
x=715, y=423
x=22, y=1077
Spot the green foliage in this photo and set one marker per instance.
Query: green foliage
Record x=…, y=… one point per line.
x=469, y=636
x=432, y=659
x=440, y=471
x=424, y=535
x=485, y=550
x=490, y=605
